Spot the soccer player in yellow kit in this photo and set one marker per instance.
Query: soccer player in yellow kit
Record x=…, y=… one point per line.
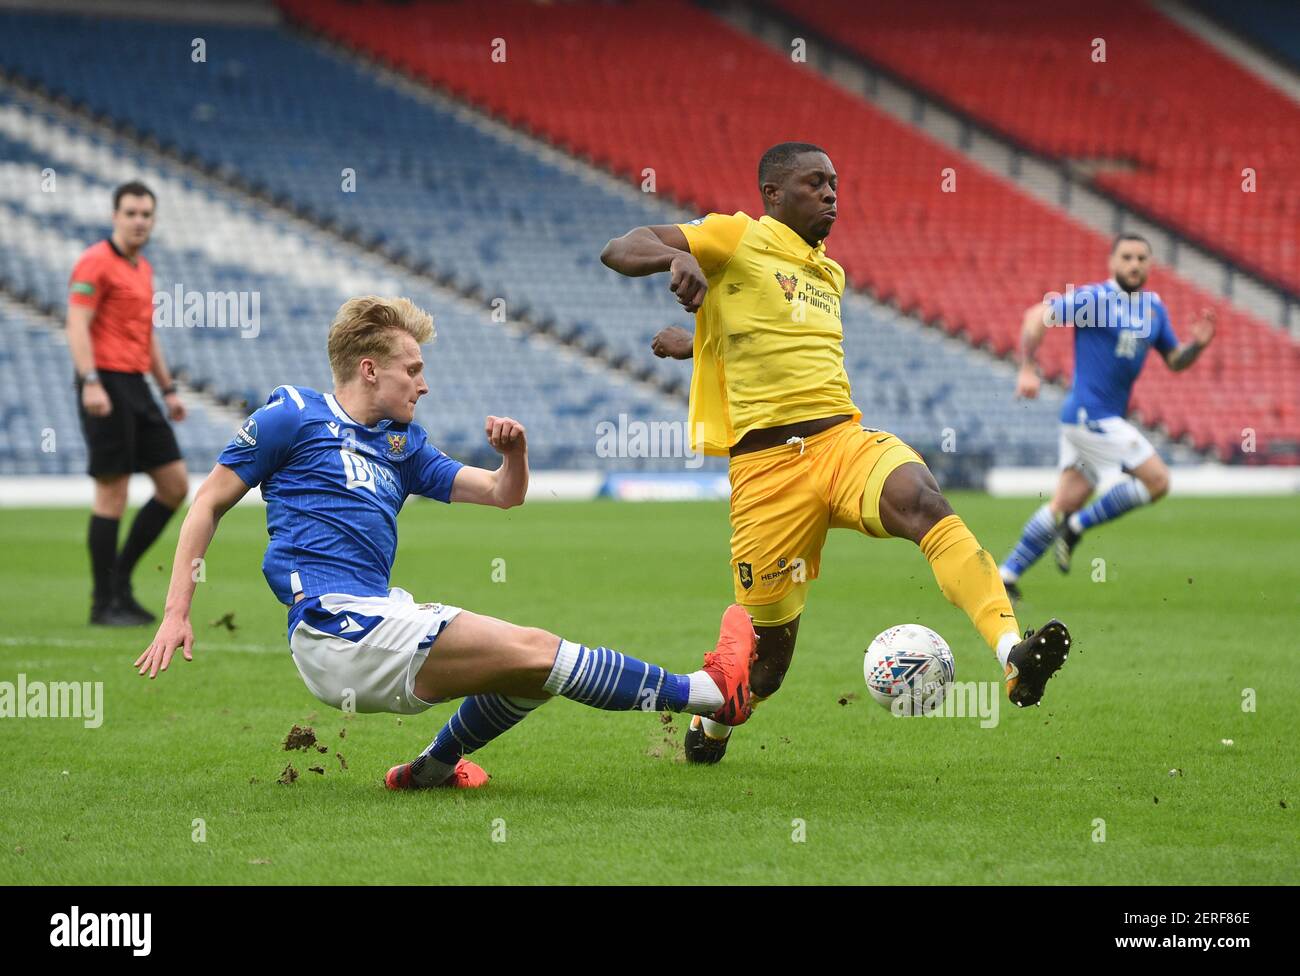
x=769, y=389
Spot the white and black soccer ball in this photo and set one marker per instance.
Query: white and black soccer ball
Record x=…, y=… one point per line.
x=909, y=661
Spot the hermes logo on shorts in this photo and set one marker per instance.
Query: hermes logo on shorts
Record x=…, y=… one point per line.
x=746, y=572
x=788, y=284
x=794, y=568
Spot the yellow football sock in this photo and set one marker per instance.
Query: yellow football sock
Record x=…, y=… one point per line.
x=969, y=578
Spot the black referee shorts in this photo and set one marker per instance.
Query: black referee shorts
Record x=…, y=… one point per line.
x=135, y=436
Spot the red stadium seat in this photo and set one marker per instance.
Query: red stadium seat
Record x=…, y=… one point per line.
x=667, y=86
x=1181, y=121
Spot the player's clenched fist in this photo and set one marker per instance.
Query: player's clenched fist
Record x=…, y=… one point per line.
x=505, y=435
x=171, y=634
x=687, y=282
x=672, y=342
x=1027, y=383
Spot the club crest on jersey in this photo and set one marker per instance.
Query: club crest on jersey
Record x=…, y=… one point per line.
x=746, y=572
x=248, y=433
x=787, y=283
x=396, y=444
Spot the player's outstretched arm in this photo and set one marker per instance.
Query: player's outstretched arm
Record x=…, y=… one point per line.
x=661, y=247
x=507, y=485
x=1182, y=356
x=1033, y=327
x=219, y=491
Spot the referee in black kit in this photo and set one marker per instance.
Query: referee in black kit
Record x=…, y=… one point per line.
x=113, y=344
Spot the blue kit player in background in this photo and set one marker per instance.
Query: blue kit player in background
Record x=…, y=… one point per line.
x=1114, y=323
x=334, y=470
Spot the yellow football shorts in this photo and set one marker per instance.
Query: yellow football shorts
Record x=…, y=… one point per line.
x=783, y=500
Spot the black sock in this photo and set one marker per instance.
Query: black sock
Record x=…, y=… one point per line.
x=102, y=540
x=148, y=525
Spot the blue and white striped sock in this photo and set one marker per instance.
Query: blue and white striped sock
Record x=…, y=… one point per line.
x=1037, y=536
x=479, y=720
x=602, y=678
x=1124, y=497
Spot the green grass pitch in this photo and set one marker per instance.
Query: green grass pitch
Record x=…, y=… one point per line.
x=1200, y=603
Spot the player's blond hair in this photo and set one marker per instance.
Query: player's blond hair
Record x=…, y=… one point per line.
x=366, y=327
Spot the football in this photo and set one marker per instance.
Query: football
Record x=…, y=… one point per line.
x=908, y=669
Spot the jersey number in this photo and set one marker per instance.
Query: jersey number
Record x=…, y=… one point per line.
x=358, y=470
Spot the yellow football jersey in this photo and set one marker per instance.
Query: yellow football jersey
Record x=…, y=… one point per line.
x=768, y=339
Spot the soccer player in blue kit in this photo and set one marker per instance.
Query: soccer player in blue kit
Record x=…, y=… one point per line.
x=1115, y=323
x=334, y=470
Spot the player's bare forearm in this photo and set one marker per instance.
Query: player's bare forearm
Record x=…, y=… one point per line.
x=197, y=530
x=220, y=490
x=640, y=252
x=663, y=247
x=1203, y=334
x=79, y=343
x=1182, y=357
x=1032, y=329
x=507, y=485
x=511, y=485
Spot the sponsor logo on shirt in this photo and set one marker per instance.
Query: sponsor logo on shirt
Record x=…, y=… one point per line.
x=788, y=284
x=248, y=433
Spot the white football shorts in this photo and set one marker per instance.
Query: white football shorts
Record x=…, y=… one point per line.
x=1103, y=449
x=362, y=653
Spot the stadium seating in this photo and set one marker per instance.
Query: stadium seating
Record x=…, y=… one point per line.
x=1169, y=122
x=970, y=259
x=205, y=243
x=471, y=203
x=39, y=429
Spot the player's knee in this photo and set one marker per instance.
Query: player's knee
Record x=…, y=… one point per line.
x=1158, y=485
x=535, y=649
x=173, y=496
x=930, y=509
x=1067, y=504
x=172, y=488
x=110, y=497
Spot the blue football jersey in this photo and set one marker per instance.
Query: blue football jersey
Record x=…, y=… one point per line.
x=1113, y=330
x=333, y=489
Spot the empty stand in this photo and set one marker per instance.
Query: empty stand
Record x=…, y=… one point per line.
x=970, y=259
